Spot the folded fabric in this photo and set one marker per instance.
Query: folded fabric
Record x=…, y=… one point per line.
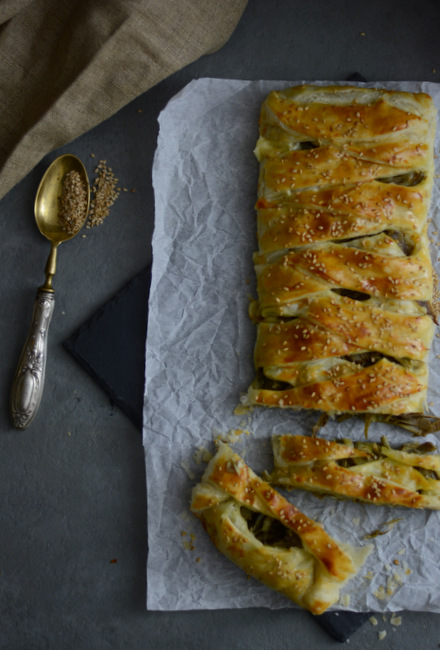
x=67, y=65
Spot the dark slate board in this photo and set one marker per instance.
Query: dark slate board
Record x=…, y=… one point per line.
x=341, y=625
x=111, y=346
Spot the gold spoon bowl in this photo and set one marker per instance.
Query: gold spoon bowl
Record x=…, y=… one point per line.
x=61, y=207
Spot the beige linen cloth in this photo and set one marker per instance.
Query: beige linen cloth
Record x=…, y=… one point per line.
x=66, y=65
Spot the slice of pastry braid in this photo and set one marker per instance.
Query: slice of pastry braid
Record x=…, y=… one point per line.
x=363, y=471
x=344, y=275
x=264, y=534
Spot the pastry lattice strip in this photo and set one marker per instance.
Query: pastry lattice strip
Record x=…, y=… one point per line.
x=370, y=472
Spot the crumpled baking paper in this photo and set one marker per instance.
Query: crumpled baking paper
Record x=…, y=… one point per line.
x=199, y=362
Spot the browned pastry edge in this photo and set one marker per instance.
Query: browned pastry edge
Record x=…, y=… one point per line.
x=303, y=272
x=334, y=326
x=380, y=388
x=318, y=116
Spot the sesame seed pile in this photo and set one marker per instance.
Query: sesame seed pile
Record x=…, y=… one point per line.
x=72, y=203
x=104, y=194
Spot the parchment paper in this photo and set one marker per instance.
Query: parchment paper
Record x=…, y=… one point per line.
x=199, y=362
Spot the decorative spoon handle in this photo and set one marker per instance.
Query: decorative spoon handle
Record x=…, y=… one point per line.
x=27, y=387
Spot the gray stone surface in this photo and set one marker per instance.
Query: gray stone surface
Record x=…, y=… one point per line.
x=73, y=485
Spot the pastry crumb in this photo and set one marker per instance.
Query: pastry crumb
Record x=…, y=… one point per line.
x=345, y=600
x=231, y=437
x=202, y=455
x=188, y=544
x=185, y=466
x=185, y=515
x=380, y=593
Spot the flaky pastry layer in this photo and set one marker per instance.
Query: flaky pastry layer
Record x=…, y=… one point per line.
x=269, y=538
x=366, y=471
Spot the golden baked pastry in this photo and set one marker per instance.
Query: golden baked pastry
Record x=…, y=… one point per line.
x=362, y=471
x=344, y=275
x=264, y=534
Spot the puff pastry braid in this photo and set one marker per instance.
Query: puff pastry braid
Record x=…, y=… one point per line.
x=344, y=276
x=363, y=471
x=264, y=534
